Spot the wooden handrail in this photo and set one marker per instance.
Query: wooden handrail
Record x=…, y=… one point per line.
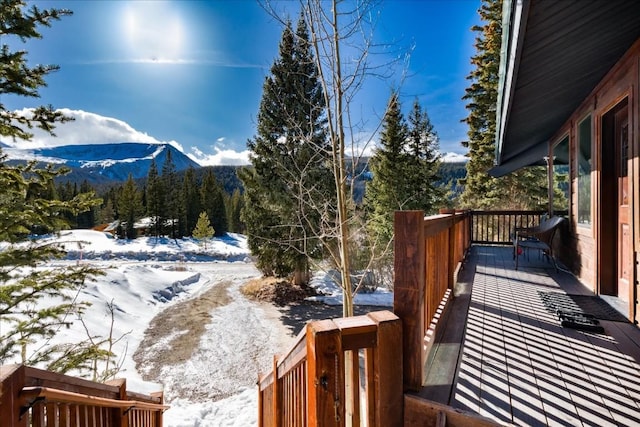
x=307, y=384
x=428, y=253
x=496, y=227
x=62, y=396
x=31, y=397
x=296, y=354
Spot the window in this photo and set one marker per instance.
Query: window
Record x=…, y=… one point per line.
x=561, y=175
x=584, y=171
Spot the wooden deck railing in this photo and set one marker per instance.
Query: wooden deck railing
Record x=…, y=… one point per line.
x=37, y=398
x=428, y=253
x=307, y=385
x=496, y=227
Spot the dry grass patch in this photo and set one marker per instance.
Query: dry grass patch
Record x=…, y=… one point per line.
x=174, y=334
x=277, y=291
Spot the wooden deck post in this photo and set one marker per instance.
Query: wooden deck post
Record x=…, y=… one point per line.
x=120, y=419
x=409, y=288
x=12, y=379
x=453, y=253
x=388, y=365
x=159, y=414
x=277, y=395
x=325, y=375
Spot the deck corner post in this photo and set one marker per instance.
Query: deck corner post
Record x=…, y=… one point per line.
x=159, y=419
x=409, y=288
x=325, y=375
x=121, y=419
x=12, y=379
x=388, y=362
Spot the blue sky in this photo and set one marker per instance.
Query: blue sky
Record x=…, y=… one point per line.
x=191, y=72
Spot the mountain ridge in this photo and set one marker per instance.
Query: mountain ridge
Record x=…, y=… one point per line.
x=99, y=163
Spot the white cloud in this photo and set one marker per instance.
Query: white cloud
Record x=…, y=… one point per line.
x=87, y=128
x=454, y=158
x=91, y=128
x=220, y=157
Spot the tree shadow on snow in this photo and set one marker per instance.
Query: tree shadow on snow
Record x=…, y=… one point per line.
x=296, y=315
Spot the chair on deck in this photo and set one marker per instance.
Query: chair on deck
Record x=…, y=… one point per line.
x=539, y=237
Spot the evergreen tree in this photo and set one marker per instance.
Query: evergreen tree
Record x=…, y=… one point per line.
x=405, y=172
x=190, y=202
x=522, y=189
x=27, y=204
x=479, y=188
x=155, y=199
x=203, y=231
x=287, y=188
x=212, y=202
x=87, y=219
x=233, y=204
x=130, y=207
x=172, y=195
x=388, y=190
x=423, y=164
x=106, y=214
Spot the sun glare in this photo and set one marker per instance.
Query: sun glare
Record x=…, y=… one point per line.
x=153, y=32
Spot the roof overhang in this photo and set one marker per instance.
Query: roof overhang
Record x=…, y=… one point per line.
x=554, y=53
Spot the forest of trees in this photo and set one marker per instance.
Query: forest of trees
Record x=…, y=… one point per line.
x=173, y=201
x=232, y=193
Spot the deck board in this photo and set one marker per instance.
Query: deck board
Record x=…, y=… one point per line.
x=518, y=365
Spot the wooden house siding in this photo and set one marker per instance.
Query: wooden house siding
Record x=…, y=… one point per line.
x=586, y=249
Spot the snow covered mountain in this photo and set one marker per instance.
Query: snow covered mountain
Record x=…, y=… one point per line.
x=98, y=163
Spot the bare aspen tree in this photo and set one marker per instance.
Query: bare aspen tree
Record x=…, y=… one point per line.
x=340, y=39
x=341, y=42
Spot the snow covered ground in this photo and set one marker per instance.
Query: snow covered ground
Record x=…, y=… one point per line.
x=186, y=327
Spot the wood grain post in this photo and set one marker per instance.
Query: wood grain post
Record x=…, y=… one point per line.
x=260, y=403
x=409, y=288
x=120, y=419
x=12, y=378
x=388, y=364
x=159, y=418
x=325, y=375
x=277, y=395
x=453, y=261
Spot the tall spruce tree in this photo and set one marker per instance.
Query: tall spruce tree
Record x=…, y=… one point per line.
x=405, y=173
x=423, y=163
x=25, y=282
x=212, y=202
x=233, y=204
x=387, y=191
x=290, y=180
x=172, y=194
x=130, y=207
x=524, y=189
x=155, y=199
x=190, y=201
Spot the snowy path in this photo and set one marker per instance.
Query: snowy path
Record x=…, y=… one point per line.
x=210, y=348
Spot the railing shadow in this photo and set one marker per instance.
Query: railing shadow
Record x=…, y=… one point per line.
x=520, y=365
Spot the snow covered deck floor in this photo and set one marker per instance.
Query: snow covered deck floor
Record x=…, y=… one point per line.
x=518, y=364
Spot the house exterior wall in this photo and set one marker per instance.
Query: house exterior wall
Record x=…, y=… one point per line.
x=582, y=247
